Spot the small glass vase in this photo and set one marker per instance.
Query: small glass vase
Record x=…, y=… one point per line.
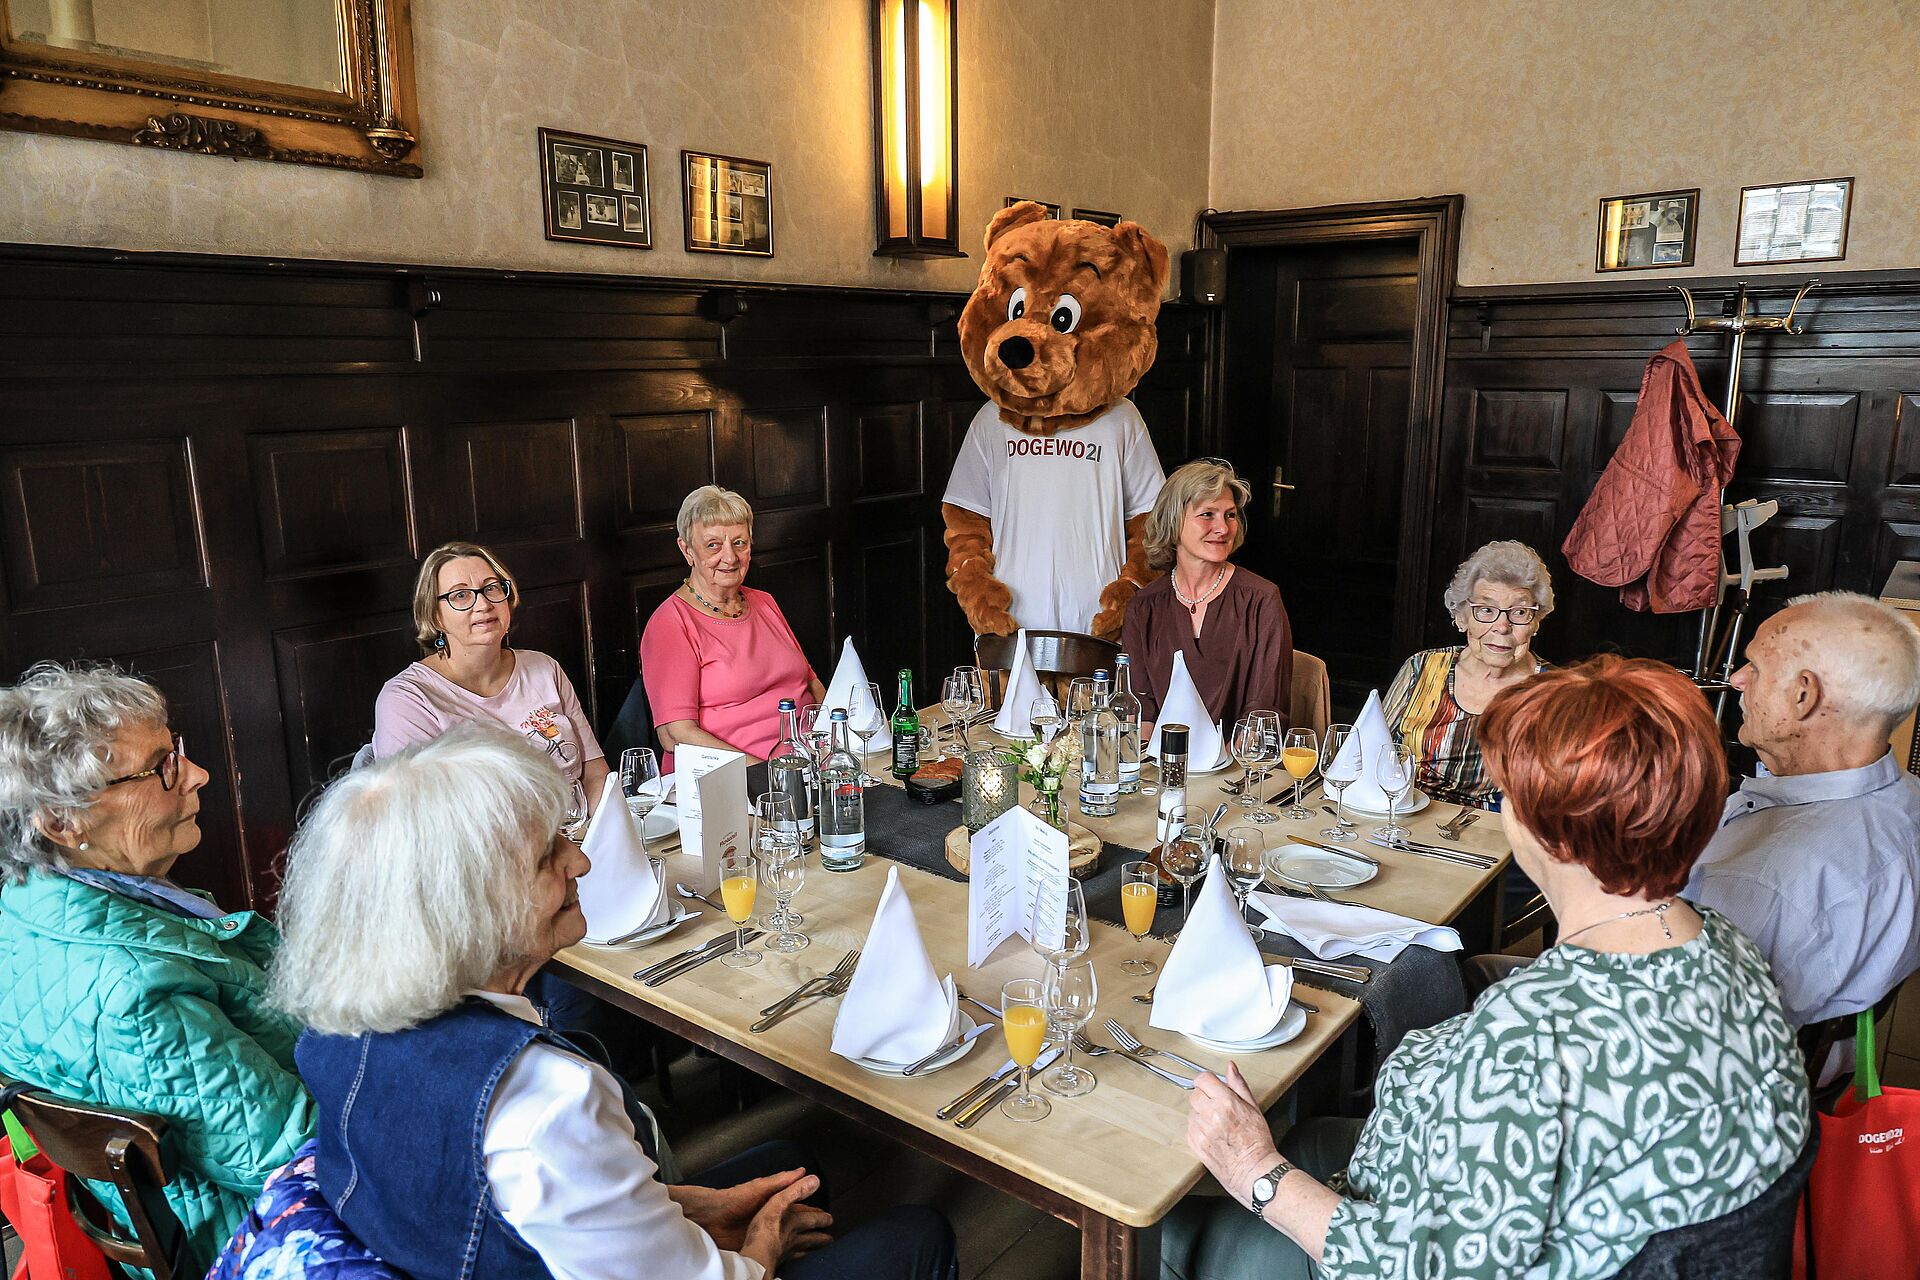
x=1047, y=806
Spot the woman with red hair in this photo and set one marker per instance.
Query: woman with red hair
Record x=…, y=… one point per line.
x=1637, y=1077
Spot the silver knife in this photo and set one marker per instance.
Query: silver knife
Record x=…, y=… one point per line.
x=711, y=953
x=688, y=954
x=1355, y=854
x=959, y=1104
x=972, y=1115
x=945, y=1049
x=1478, y=861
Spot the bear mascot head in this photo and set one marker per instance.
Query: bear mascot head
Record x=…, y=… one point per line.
x=1057, y=332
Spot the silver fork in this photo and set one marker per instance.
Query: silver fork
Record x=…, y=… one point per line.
x=1127, y=1040
x=1452, y=827
x=819, y=985
x=1092, y=1050
x=1324, y=896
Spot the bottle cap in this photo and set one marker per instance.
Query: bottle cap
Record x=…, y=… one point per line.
x=839, y=714
x=1173, y=739
x=786, y=704
x=1100, y=675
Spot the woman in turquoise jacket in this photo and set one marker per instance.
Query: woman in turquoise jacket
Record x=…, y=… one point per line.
x=118, y=987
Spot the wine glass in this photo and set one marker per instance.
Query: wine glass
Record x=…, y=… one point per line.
x=579, y=813
x=783, y=866
x=1023, y=1020
x=1268, y=723
x=865, y=717
x=976, y=693
x=1337, y=774
x=1139, y=897
x=1044, y=717
x=1059, y=922
x=1248, y=745
x=1245, y=859
x=1298, y=756
x=1079, y=701
x=1185, y=853
x=1069, y=992
x=640, y=783
x=956, y=692
x=738, y=879
x=1393, y=769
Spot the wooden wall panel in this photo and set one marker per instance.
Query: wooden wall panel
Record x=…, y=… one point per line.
x=332, y=500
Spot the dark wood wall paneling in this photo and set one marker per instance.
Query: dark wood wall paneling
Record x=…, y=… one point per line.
x=223, y=472
x=1542, y=384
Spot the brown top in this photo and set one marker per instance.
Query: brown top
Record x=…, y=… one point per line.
x=1241, y=661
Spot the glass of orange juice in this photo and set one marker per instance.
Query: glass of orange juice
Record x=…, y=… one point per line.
x=738, y=879
x=1300, y=757
x=1023, y=1018
x=1139, y=895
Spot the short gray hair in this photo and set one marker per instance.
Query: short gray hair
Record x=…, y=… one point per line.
x=411, y=881
x=57, y=728
x=710, y=504
x=1200, y=481
x=1506, y=564
x=1872, y=668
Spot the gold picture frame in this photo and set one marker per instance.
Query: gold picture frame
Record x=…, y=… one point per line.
x=1648, y=232
x=727, y=204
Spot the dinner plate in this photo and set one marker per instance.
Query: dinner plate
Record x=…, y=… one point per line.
x=680, y=915
x=1291, y=1024
x=1416, y=801
x=947, y=1059
x=662, y=822
x=1303, y=866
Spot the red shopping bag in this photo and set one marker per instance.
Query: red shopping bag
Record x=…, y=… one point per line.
x=33, y=1196
x=1863, y=1201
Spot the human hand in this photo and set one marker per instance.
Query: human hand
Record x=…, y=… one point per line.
x=785, y=1228
x=1228, y=1131
x=725, y=1213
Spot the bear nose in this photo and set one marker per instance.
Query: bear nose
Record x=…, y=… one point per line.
x=1016, y=353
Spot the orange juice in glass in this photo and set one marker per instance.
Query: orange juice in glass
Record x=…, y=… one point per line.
x=1300, y=756
x=1023, y=1019
x=1139, y=895
x=738, y=879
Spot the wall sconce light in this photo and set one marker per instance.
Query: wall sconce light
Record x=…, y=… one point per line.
x=916, y=136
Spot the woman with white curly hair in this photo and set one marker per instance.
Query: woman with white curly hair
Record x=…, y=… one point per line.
x=1498, y=597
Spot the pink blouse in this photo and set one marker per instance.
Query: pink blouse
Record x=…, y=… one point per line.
x=538, y=700
x=727, y=675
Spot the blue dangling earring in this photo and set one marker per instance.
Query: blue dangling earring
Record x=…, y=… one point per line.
x=439, y=639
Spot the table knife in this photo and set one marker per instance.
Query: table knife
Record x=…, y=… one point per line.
x=947, y=1048
x=971, y=1116
x=959, y=1104
x=641, y=975
x=712, y=953
x=1462, y=857
x=1354, y=854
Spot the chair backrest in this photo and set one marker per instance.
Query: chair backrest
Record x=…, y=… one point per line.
x=632, y=727
x=105, y=1144
x=1312, y=695
x=1058, y=657
x=1754, y=1242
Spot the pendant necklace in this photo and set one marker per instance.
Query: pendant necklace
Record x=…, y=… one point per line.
x=1657, y=911
x=710, y=606
x=1193, y=606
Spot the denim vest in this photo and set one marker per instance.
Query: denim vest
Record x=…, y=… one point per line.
x=402, y=1115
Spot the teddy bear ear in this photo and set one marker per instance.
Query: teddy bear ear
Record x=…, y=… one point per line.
x=1147, y=253
x=1014, y=215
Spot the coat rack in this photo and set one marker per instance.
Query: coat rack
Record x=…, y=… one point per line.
x=1711, y=670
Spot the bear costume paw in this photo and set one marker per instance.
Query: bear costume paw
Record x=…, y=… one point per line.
x=983, y=598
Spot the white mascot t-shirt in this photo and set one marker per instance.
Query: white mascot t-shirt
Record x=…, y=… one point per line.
x=1059, y=506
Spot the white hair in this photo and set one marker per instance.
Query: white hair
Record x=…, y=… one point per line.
x=710, y=504
x=1869, y=655
x=411, y=882
x=1506, y=564
x=57, y=728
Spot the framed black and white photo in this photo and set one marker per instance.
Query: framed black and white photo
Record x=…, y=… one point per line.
x=1655, y=229
x=595, y=189
x=1794, y=222
x=1053, y=210
x=1100, y=216
x=729, y=204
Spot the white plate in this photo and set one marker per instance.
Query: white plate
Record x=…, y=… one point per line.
x=1291, y=1024
x=1302, y=865
x=1416, y=801
x=662, y=822
x=947, y=1059
x=680, y=915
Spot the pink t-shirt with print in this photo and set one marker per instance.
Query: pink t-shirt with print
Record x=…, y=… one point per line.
x=420, y=704
x=727, y=675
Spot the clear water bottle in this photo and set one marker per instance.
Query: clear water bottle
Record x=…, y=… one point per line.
x=843, y=805
x=790, y=771
x=1127, y=708
x=1100, y=754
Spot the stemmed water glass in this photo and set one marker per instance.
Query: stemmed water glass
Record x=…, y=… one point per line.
x=738, y=880
x=1080, y=693
x=1184, y=854
x=865, y=717
x=1251, y=749
x=1269, y=723
x=1245, y=860
x=1044, y=718
x=783, y=867
x=1023, y=1021
x=1337, y=774
x=1069, y=993
x=640, y=783
x=1298, y=756
x=1139, y=897
x=579, y=813
x=1393, y=770
x=1062, y=897
x=956, y=694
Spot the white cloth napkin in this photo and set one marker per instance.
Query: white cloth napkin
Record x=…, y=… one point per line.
x=620, y=894
x=897, y=1009
x=1206, y=743
x=1332, y=931
x=1215, y=983
x=849, y=689
x=1369, y=739
x=1023, y=687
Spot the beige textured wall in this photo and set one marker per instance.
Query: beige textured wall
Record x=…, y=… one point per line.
x=1061, y=100
x=1536, y=109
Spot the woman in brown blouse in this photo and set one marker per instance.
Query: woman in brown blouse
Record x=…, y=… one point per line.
x=1229, y=620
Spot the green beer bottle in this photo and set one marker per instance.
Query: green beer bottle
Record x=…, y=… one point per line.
x=906, y=730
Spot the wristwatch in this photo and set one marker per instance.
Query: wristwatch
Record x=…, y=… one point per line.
x=1266, y=1187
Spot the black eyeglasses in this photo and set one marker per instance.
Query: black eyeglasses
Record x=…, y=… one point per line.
x=462, y=599
x=168, y=770
x=1521, y=615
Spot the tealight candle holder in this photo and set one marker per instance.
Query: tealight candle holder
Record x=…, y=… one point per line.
x=989, y=786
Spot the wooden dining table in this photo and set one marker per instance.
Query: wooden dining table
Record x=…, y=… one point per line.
x=1111, y=1162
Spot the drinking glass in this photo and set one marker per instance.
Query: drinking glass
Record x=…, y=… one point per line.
x=640, y=783
x=1044, y=718
x=1268, y=723
x=1393, y=770
x=738, y=878
x=1336, y=775
x=1247, y=746
x=866, y=717
x=783, y=866
x=1185, y=852
x=1139, y=896
x=956, y=693
x=1061, y=896
x=579, y=813
x=1298, y=756
x=1070, y=992
x=1023, y=1020
x=1079, y=701
x=1245, y=860
x=816, y=735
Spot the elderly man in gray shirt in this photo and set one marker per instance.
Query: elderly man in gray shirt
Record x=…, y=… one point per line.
x=1819, y=862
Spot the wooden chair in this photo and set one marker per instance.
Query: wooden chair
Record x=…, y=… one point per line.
x=105, y=1144
x=1058, y=657
x=1312, y=694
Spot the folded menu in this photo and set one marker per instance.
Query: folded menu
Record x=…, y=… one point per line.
x=848, y=690
x=1332, y=930
x=621, y=893
x=897, y=1009
x=1215, y=983
x=1206, y=743
x=1023, y=690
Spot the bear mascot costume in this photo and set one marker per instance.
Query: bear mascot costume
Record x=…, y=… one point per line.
x=1048, y=500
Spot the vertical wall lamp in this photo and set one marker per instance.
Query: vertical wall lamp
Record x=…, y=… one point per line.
x=916, y=135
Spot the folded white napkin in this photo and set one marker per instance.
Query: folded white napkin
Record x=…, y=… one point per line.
x=620, y=894
x=1332, y=931
x=1023, y=687
x=1206, y=743
x=849, y=689
x=897, y=1009
x=1215, y=983
x=1369, y=740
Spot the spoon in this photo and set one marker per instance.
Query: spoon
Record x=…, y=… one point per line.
x=689, y=894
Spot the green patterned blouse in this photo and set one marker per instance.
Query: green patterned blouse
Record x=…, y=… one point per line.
x=1583, y=1104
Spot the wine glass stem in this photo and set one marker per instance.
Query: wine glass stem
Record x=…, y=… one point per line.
x=1067, y=1071
x=1186, y=901
x=1026, y=1081
x=739, y=935
x=1297, y=784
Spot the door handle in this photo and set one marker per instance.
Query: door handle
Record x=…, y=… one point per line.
x=1279, y=486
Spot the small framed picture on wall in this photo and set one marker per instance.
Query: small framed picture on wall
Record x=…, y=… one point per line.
x=729, y=204
x=1656, y=229
x=1053, y=210
x=595, y=189
x=1794, y=222
x=1100, y=216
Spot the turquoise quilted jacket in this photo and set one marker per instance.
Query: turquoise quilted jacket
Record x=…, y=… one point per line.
x=109, y=1001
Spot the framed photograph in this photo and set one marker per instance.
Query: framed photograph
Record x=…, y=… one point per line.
x=729, y=204
x=595, y=189
x=1794, y=222
x=1656, y=229
x=1100, y=216
x=1053, y=210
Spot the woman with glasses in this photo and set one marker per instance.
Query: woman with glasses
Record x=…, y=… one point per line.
x=463, y=604
x=118, y=987
x=1497, y=599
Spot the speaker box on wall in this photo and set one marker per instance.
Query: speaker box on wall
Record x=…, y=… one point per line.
x=1203, y=276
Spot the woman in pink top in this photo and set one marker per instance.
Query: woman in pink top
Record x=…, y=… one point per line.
x=718, y=656
x=462, y=610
